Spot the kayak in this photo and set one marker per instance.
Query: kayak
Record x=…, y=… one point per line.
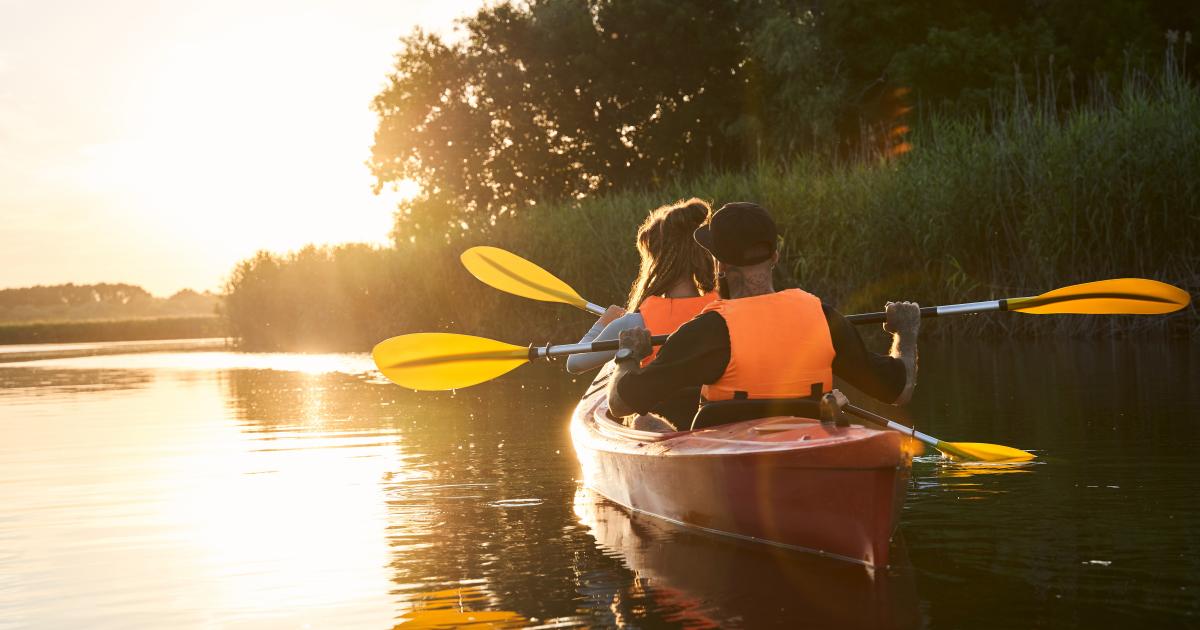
x=787, y=481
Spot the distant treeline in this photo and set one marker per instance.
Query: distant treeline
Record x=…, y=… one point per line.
x=74, y=302
x=142, y=329
x=68, y=313
x=1028, y=197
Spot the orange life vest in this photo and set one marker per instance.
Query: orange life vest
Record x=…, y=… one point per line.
x=664, y=316
x=779, y=347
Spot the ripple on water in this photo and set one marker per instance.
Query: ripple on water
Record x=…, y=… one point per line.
x=516, y=503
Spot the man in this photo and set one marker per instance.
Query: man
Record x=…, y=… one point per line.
x=755, y=342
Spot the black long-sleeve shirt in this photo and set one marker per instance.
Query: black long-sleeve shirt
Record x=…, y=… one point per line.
x=698, y=352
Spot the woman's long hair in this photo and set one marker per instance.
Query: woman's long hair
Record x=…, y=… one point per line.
x=670, y=253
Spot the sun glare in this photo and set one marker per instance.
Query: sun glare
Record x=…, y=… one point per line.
x=242, y=143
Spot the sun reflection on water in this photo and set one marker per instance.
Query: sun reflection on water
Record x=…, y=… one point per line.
x=188, y=514
x=355, y=363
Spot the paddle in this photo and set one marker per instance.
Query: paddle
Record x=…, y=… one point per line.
x=510, y=273
x=440, y=361
x=969, y=451
x=1122, y=296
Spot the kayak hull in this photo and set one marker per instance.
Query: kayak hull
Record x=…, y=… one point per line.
x=787, y=481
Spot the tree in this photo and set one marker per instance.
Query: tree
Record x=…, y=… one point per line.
x=561, y=99
x=555, y=100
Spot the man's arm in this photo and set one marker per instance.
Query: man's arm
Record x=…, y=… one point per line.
x=637, y=341
x=903, y=321
x=884, y=377
x=696, y=354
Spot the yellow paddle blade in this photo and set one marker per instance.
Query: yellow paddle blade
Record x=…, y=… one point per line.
x=510, y=273
x=438, y=361
x=979, y=451
x=1133, y=296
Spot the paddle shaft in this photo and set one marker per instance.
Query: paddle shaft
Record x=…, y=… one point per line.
x=561, y=350
x=935, y=311
x=875, y=418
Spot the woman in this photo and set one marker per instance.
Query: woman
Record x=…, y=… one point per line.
x=674, y=284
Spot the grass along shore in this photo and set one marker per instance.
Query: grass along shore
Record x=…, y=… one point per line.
x=1024, y=200
x=137, y=329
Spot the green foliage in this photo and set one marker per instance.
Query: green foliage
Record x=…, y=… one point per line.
x=1018, y=202
x=554, y=100
x=550, y=101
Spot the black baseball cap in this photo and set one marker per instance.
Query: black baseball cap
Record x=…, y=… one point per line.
x=739, y=234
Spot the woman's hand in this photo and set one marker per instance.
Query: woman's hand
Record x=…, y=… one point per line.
x=610, y=314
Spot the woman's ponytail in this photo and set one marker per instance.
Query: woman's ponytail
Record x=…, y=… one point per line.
x=669, y=253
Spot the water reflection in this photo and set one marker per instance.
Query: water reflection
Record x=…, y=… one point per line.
x=695, y=580
x=966, y=481
x=464, y=607
x=19, y=383
x=948, y=469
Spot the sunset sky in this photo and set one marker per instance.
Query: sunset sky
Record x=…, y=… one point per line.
x=159, y=142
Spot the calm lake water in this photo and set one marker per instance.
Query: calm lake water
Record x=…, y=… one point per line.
x=218, y=489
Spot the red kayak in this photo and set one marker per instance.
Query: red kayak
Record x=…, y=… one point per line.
x=787, y=481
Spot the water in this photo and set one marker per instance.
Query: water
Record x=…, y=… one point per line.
x=264, y=491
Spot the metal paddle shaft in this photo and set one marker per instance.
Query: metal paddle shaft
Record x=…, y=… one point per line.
x=875, y=418
x=933, y=311
x=562, y=350
x=966, y=451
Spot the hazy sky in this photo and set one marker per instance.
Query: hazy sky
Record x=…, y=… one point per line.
x=158, y=142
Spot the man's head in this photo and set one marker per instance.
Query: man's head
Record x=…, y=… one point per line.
x=742, y=236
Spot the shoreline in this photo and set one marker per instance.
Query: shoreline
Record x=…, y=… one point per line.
x=35, y=352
